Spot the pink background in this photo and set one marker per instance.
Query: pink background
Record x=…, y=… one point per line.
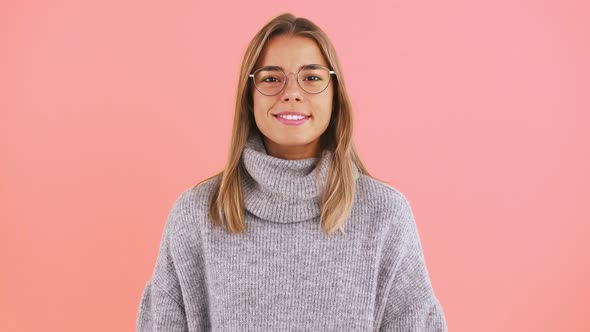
x=477, y=110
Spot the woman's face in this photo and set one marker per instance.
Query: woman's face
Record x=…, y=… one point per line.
x=284, y=138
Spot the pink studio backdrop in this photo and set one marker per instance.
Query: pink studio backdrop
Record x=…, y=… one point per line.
x=477, y=110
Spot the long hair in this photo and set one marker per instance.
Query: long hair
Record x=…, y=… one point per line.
x=226, y=203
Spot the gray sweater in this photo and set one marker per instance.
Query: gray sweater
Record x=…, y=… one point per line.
x=284, y=273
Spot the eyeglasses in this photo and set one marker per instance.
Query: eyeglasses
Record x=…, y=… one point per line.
x=271, y=80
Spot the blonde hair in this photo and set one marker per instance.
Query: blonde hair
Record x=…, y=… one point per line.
x=226, y=203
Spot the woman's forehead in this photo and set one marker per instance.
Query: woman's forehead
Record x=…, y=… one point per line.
x=291, y=52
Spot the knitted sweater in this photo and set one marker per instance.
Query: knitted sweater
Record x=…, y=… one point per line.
x=284, y=273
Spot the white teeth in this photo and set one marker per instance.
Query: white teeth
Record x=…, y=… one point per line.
x=292, y=117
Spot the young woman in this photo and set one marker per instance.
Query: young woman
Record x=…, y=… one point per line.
x=293, y=234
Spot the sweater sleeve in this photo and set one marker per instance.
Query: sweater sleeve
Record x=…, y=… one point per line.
x=159, y=311
x=409, y=300
x=161, y=307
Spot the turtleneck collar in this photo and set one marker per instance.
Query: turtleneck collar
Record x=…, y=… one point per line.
x=283, y=190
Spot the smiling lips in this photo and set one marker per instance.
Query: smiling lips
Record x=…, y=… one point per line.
x=292, y=118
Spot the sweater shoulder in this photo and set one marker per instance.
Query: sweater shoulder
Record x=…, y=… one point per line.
x=382, y=197
x=191, y=207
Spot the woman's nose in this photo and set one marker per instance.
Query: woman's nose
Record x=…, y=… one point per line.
x=292, y=89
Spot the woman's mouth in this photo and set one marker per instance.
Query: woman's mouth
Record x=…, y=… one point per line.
x=292, y=120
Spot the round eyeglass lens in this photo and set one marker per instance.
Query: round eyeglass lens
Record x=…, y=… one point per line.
x=314, y=79
x=269, y=81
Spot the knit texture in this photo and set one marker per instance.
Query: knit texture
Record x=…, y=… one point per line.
x=285, y=273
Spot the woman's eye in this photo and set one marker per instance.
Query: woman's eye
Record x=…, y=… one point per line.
x=270, y=79
x=312, y=78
